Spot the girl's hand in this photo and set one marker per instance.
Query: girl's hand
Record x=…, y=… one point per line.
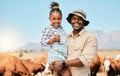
x=51, y=41
x=57, y=38
x=54, y=39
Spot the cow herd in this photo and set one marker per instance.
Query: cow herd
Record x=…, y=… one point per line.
x=107, y=65
x=13, y=66
x=101, y=64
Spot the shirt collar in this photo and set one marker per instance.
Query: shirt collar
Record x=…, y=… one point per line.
x=79, y=34
x=55, y=28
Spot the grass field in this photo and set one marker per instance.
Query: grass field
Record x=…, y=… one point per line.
x=32, y=54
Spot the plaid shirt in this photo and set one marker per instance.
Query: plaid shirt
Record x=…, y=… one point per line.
x=47, y=34
x=57, y=50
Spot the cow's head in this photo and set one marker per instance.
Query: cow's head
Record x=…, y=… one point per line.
x=117, y=57
x=106, y=65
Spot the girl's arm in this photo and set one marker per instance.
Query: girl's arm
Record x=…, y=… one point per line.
x=54, y=39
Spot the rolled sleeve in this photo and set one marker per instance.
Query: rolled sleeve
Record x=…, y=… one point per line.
x=84, y=60
x=89, y=51
x=44, y=42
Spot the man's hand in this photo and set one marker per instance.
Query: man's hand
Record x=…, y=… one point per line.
x=51, y=65
x=56, y=65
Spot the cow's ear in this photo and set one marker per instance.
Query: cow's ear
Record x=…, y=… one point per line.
x=113, y=67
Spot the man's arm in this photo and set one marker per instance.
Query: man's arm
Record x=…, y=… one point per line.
x=74, y=63
x=57, y=65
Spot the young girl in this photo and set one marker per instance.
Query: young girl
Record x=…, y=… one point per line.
x=55, y=39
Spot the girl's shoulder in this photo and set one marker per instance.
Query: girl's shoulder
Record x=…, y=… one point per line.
x=48, y=28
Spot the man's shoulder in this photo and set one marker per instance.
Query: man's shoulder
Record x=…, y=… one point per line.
x=70, y=34
x=89, y=33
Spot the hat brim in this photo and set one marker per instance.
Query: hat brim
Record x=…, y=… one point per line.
x=70, y=16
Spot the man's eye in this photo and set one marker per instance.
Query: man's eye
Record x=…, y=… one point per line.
x=73, y=18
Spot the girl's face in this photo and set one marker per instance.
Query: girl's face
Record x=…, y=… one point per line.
x=77, y=22
x=55, y=18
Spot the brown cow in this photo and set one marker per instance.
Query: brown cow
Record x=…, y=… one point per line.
x=32, y=67
x=95, y=65
x=11, y=65
x=42, y=60
x=112, y=67
x=102, y=59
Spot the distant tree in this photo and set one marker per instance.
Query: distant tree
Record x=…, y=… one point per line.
x=21, y=54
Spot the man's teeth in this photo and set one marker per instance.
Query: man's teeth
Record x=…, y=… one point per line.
x=76, y=24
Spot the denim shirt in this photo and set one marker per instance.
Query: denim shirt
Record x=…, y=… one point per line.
x=57, y=50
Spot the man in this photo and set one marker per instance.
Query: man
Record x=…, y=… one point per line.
x=82, y=46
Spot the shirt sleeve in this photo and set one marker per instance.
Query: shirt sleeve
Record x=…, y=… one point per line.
x=46, y=35
x=89, y=50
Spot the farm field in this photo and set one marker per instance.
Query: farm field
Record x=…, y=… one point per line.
x=34, y=54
